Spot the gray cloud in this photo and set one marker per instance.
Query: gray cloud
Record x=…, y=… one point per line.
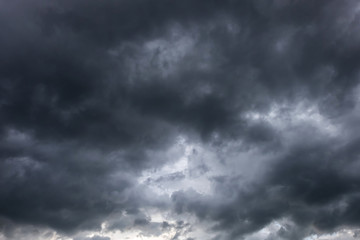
x=94, y=238
x=94, y=94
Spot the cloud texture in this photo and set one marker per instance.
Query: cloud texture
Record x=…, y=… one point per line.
x=182, y=120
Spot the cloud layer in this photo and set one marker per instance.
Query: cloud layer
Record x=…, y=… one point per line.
x=179, y=119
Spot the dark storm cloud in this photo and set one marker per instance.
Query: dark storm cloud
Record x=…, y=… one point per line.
x=315, y=186
x=78, y=123
x=72, y=186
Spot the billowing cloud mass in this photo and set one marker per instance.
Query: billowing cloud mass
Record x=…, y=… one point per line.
x=179, y=120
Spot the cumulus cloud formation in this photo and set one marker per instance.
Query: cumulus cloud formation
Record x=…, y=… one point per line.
x=179, y=120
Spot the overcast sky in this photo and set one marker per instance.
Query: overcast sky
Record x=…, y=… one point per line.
x=179, y=120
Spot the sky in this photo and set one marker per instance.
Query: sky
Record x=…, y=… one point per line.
x=179, y=120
